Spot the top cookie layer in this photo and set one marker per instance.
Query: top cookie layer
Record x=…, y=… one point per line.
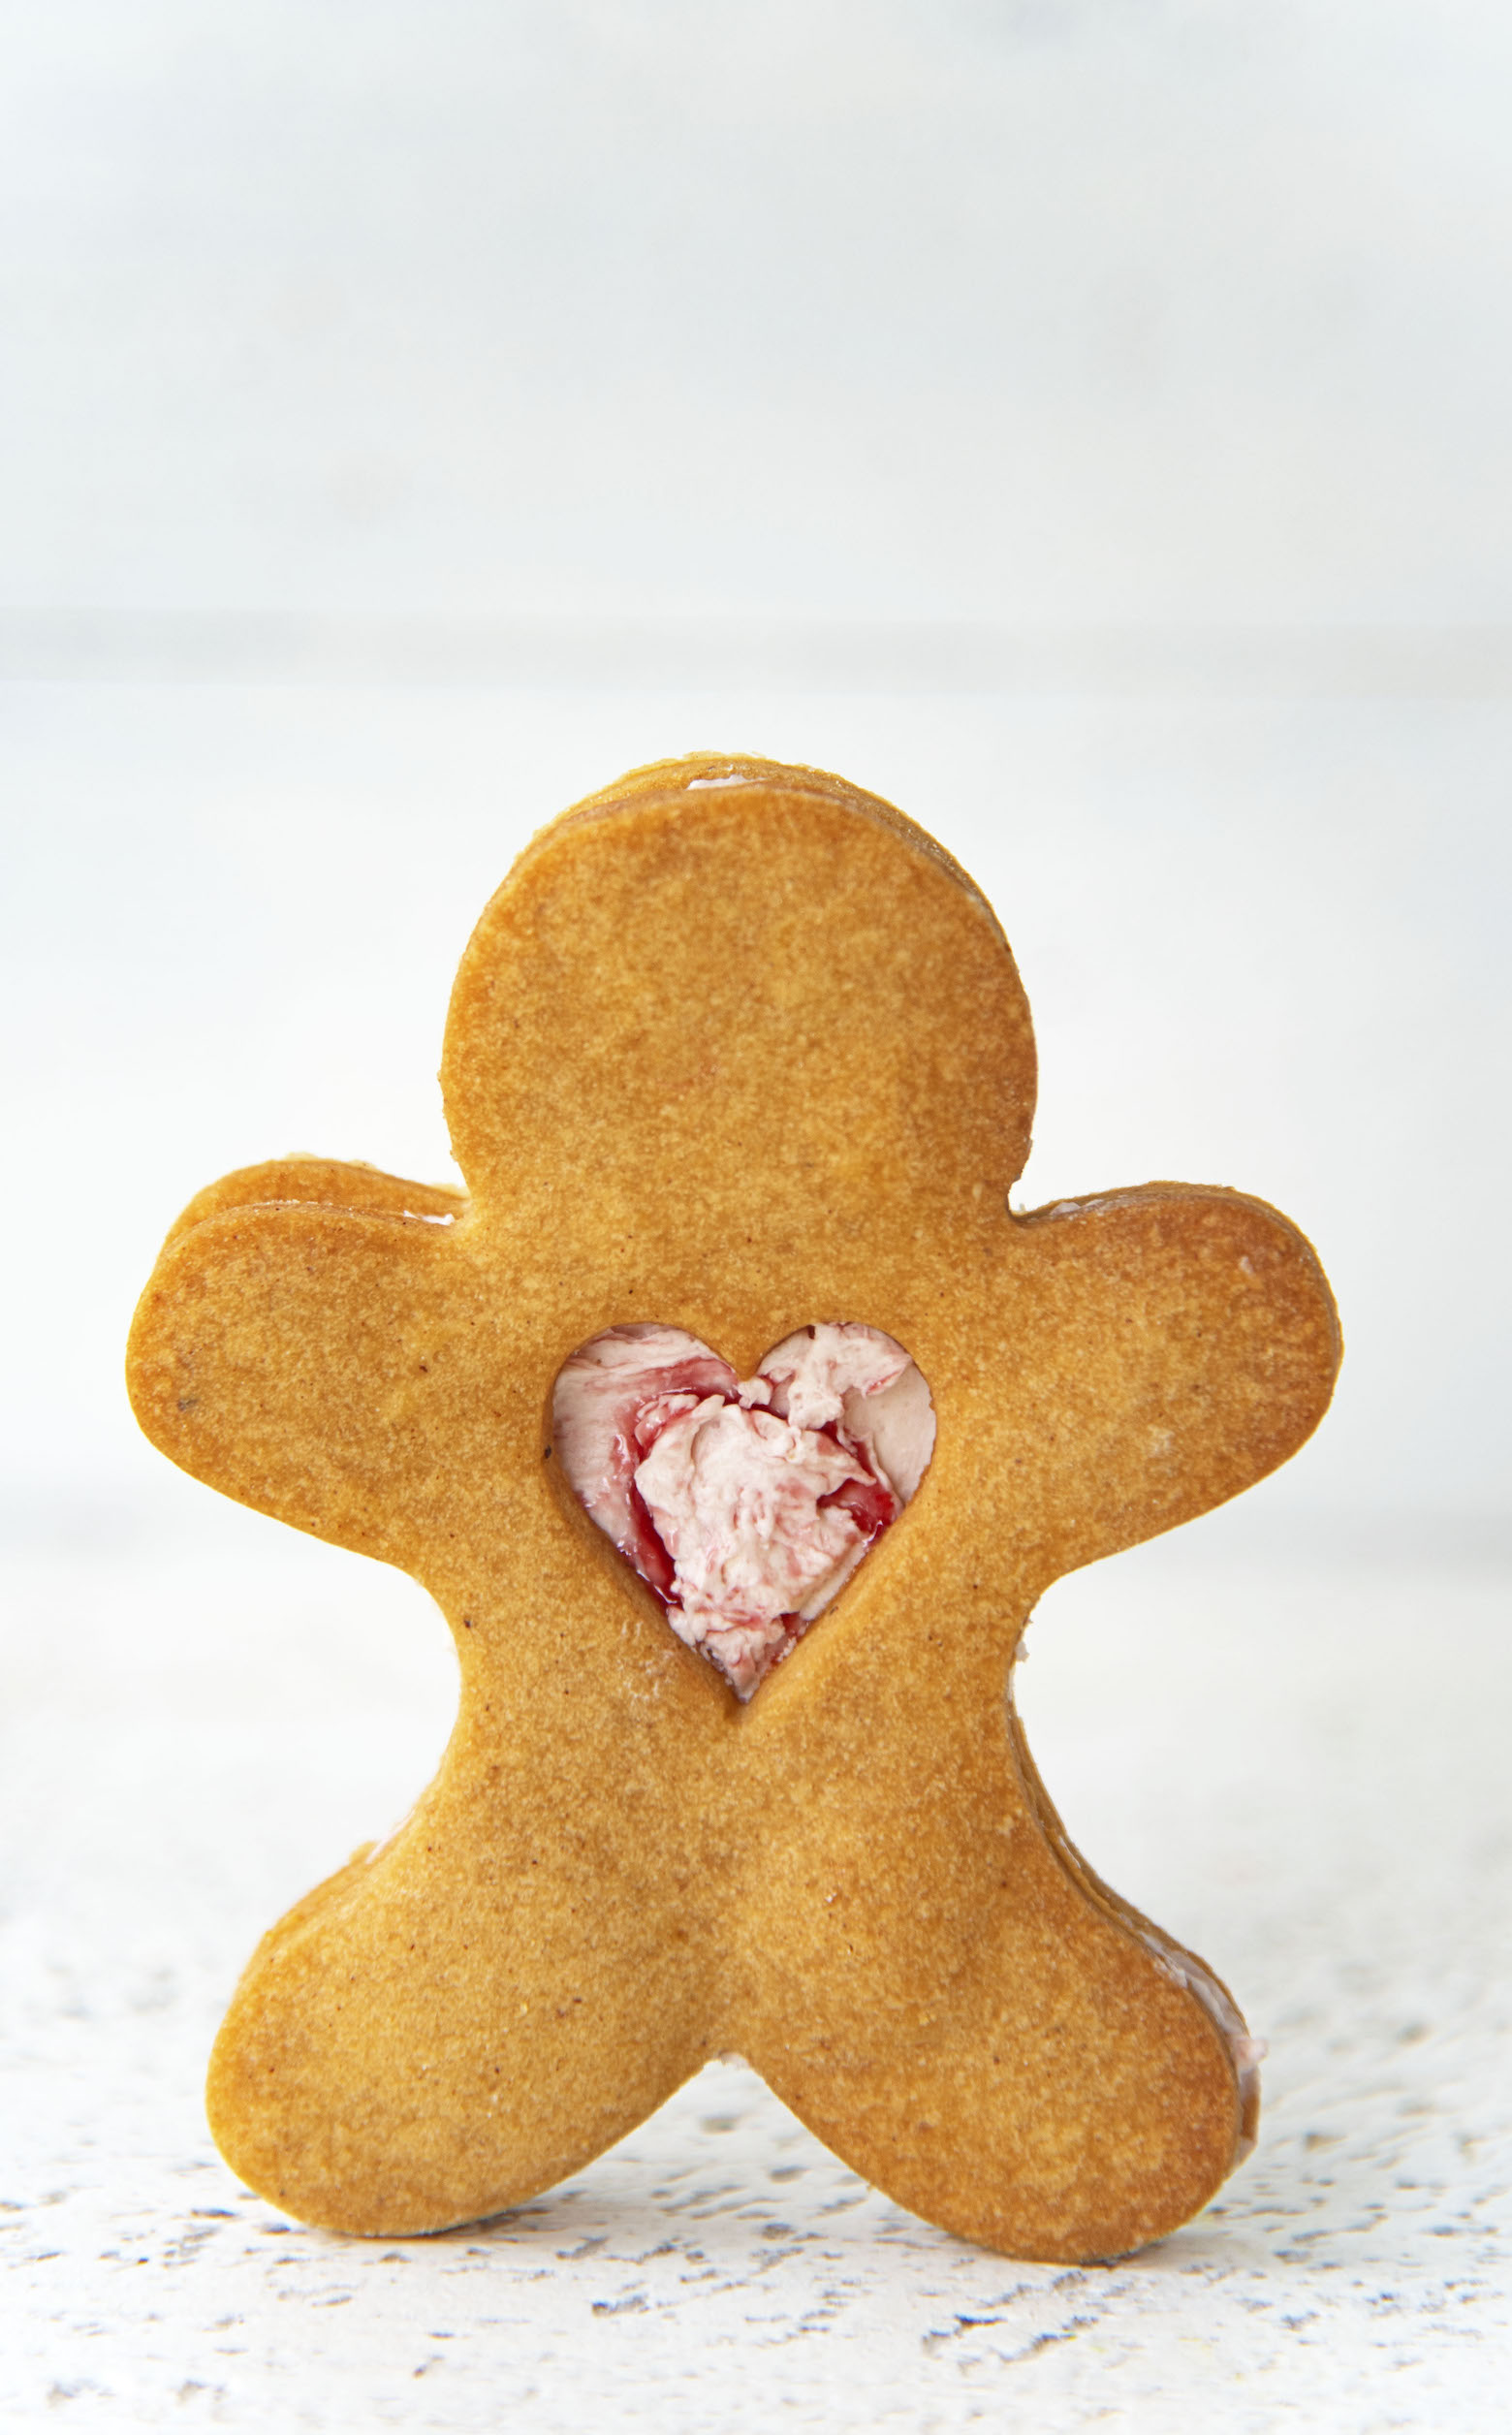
x=735, y=1050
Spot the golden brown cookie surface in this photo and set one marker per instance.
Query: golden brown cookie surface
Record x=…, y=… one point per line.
x=734, y=1050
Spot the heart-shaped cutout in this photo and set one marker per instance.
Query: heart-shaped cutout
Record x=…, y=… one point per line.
x=744, y=1504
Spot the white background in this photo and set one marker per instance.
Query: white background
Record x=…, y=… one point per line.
x=1105, y=310
x=1084, y=425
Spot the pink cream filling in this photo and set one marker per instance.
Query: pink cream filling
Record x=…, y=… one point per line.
x=744, y=1505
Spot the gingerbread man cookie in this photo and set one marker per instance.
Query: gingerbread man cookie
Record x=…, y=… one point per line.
x=737, y=1427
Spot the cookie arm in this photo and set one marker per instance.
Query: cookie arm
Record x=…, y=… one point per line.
x=336, y=1182
x=295, y=1357
x=1187, y=1343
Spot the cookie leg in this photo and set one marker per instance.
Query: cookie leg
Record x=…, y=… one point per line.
x=408, y=2051
x=1064, y=2099
x=1100, y=2123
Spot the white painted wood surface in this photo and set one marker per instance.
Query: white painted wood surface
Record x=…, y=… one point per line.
x=1298, y=1766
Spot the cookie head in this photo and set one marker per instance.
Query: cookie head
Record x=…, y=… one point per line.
x=765, y=1009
